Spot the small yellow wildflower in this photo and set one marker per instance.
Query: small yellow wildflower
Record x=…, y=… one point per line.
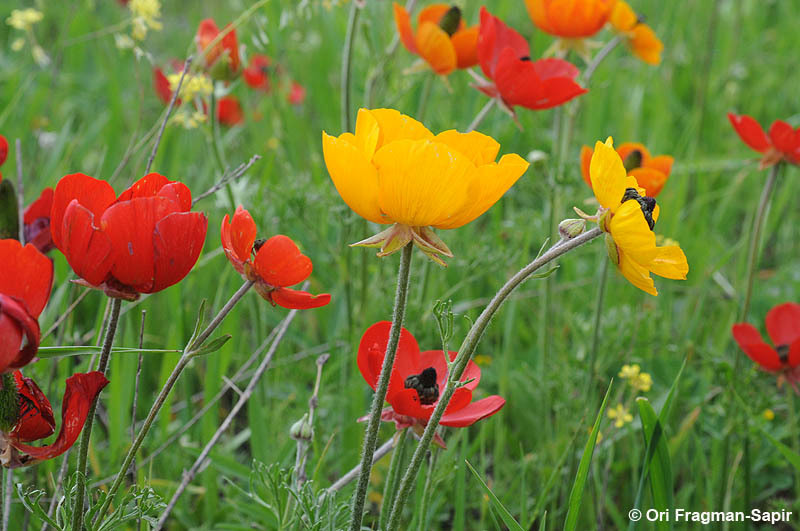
x=483, y=360
x=24, y=19
x=123, y=42
x=145, y=16
x=273, y=143
x=189, y=120
x=193, y=85
x=620, y=414
x=768, y=414
x=40, y=56
x=641, y=381
x=629, y=371
x=18, y=44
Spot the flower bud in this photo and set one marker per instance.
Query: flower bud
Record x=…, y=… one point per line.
x=570, y=228
x=302, y=430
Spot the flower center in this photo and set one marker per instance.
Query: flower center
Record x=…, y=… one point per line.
x=783, y=353
x=647, y=204
x=451, y=20
x=633, y=160
x=425, y=385
x=258, y=243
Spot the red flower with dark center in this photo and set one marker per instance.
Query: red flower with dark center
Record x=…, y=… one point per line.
x=143, y=241
x=783, y=327
x=36, y=419
x=277, y=264
x=417, y=380
x=297, y=93
x=229, y=112
x=3, y=152
x=257, y=73
x=504, y=57
x=782, y=143
x=37, y=222
x=222, y=59
x=25, y=285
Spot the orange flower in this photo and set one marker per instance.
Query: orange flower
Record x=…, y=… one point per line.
x=571, y=19
x=651, y=172
x=642, y=39
x=442, y=38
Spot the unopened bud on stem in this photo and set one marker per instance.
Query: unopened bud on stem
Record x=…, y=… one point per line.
x=570, y=228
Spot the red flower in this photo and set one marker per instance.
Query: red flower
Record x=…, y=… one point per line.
x=36, y=419
x=417, y=379
x=3, y=152
x=257, y=73
x=783, y=142
x=783, y=327
x=278, y=263
x=25, y=282
x=221, y=60
x=143, y=241
x=162, y=87
x=297, y=93
x=229, y=112
x=37, y=222
x=504, y=57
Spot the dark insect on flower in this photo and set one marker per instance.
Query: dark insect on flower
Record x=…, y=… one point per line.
x=647, y=204
x=425, y=385
x=451, y=20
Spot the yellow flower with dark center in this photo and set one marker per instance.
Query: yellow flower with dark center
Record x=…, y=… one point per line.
x=395, y=171
x=641, y=38
x=628, y=218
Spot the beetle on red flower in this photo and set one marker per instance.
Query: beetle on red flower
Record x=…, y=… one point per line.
x=783, y=327
x=24, y=290
x=36, y=219
x=504, y=57
x=229, y=112
x=782, y=143
x=221, y=60
x=278, y=263
x=257, y=73
x=416, y=381
x=35, y=419
x=143, y=241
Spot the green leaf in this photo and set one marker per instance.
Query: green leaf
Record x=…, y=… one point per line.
x=659, y=468
x=545, y=274
x=790, y=455
x=498, y=506
x=9, y=213
x=79, y=350
x=576, y=494
x=199, y=323
x=212, y=346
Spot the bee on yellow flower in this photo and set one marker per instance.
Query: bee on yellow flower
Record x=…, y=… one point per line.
x=620, y=415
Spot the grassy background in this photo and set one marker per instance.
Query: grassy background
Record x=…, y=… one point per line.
x=83, y=111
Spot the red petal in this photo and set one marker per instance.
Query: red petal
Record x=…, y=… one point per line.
x=551, y=67
x=177, y=242
x=161, y=86
x=406, y=402
x=299, y=300
x=229, y=112
x=794, y=354
x=280, y=263
x=40, y=208
x=493, y=38
x=229, y=43
x=94, y=195
x=297, y=94
x=3, y=149
x=81, y=390
x=474, y=412
x=435, y=359
x=750, y=342
x=27, y=275
x=783, y=323
x=87, y=249
x=36, y=419
x=782, y=136
x=10, y=335
x=750, y=132
x=520, y=84
x=147, y=186
x=17, y=321
x=239, y=235
x=372, y=349
x=207, y=31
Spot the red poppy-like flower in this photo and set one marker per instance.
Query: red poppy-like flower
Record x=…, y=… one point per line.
x=783, y=142
x=25, y=283
x=417, y=379
x=277, y=263
x=651, y=172
x=257, y=73
x=36, y=421
x=783, y=327
x=36, y=219
x=297, y=93
x=221, y=60
x=3, y=152
x=229, y=112
x=143, y=241
x=504, y=57
x=162, y=87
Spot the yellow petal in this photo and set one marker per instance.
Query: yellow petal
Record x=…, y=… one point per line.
x=368, y=133
x=670, y=262
x=436, y=48
x=479, y=148
x=422, y=182
x=396, y=126
x=490, y=183
x=637, y=275
x=608, y=175
x=355, y=178
x=645, y=45
x=632, y=234
x=622, y=16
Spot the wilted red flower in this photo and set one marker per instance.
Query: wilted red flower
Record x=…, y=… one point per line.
x=257, y=73
x=3, y=152
x=277, y=263
x=504, y=57
x=651, y=172
x=297, y=93
x=221, y=60
x=229, y=112
x=416, y=381
x=37, y=221
x=25, y=283
x=143, y=241
x=35, y=418
x=783, y=142
x=161, y=86
x=783, y=327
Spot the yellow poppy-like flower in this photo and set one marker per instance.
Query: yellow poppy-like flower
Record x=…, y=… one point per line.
x=628, y=218
x=641, y=38
x=394, y=171
x=620, y=415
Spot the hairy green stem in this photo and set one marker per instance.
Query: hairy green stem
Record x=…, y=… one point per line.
x=371, y=437
x=390, y=487
x=465, y=353
x=426, y=490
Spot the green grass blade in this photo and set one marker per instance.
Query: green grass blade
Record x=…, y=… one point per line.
x=790, y=455
x=498, y=506
x=660, y=467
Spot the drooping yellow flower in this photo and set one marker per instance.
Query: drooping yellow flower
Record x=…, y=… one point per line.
x=24, y=19
x=620, y=415
x=395, y=171
x=628, y=217
x=641, y=38
x=146, y=14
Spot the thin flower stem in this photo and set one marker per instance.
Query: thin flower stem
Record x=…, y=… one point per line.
x=371, y=437
x=347, y=59
x=83, y=453
x=598, y=58
x=481, y=115
x=188, y=354
x=345, y=480
x=136, y=390
x=465, y=354
x=216, y=146
x=186, y=65
x=9, y=488
x=598, y=314
x=390, y=486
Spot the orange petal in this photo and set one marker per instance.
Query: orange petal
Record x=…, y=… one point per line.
x=403, y=23
x=465, y=43
x=645, y=45
x=650, y=179
x=436, y=48
x=623, y=17
x=626, y=148
x=280, y=263
x=432, y=13
x=586, y=160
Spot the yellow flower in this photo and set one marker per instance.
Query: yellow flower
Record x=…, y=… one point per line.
x=621, y=414
x=395, y=171
x=18, y=44
x=641, y=38
x=145, y=16
x=629, y=371
x=640, y=381
x=628, y=218
x=24, y=19
x=193, y=85
x=768, y=414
